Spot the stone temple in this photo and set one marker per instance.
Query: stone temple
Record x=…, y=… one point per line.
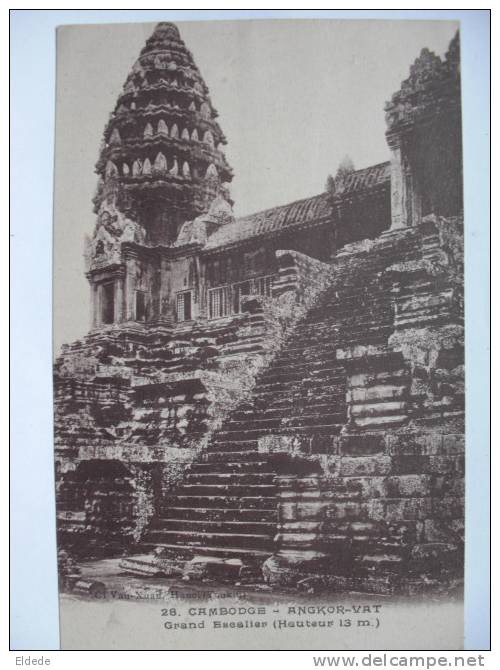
x=279, y=396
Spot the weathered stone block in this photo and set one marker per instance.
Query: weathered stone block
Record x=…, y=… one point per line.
x=386, y=408
x=298, y=540
x=367, y=465
x=301, y=511
x=454, y=444
x=449, y=507
x=296, y=526
x=380, y=421
x=273, y=444
x=362, y=445
x=370, y=487
x=408, y=486
x=407, y=465
x=407, y=509
x=449, y=530
x=434, y=557
x=206, y=567
x=347, y=510
x=446, y=464
x=377, y=392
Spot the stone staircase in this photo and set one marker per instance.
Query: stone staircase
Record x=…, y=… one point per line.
x=227, y=505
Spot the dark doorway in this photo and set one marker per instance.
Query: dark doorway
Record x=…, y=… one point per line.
x=108, y=303
x=140, y=306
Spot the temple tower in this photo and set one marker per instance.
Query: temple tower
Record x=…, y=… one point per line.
x=424, y=136
x=162, y=156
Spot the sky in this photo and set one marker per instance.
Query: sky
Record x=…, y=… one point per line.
x=294, y=97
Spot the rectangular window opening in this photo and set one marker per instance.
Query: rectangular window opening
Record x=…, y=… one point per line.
x=108, y=303
x=219, y=302
x=184, y=306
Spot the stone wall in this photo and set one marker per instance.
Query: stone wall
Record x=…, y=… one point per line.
x=382, y=513
x=151, y=400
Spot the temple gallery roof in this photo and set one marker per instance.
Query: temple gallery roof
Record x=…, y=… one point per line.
x=300, y=212
x=358, y=181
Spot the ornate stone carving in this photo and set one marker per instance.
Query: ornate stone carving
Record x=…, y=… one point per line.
x=111, y=229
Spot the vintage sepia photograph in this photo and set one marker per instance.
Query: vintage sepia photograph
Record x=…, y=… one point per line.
x=259, y=335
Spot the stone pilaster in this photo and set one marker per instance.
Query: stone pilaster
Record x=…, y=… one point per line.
x=119, y=300
x=129, y=287
x=99, y=306
x=94, y=306
x=405, y=203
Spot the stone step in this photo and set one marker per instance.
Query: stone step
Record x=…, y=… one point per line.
x=223, y=442
x=276, y=389
x=236, y=467
x=187, y=552
x=232, y=456
x=256, y=422
x=284, y=411
x=299, y=401
x=230, y=490
x=204, y=514
x=282, y=365
x=234, y=502
x=234, y=437
x=362, y=303
x=204, y=539
x=224, y=478
x=221, y=525
x=290, y=420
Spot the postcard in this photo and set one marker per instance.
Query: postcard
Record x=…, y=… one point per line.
x=259, y=335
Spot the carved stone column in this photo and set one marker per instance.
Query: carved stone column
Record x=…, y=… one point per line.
x=119, y=300
x=98, y=303
x=129, y=287
x=94, y=306
x=404, y=209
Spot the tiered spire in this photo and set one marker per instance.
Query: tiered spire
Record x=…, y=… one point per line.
x=432, y=87
x=163, y=148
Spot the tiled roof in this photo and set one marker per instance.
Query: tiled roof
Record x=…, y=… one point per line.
x=365, y=179
x=296, y=213
x=271, y=220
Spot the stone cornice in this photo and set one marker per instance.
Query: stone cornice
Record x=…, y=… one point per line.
x=115, y=270
x=248, y=241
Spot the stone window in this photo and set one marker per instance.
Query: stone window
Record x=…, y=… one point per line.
x=208, y=138
x=140, y=306
x=111, y=170
x=211, y=171
x=108, y=303
x=239, y=290
x=162, y=127
x=219, y=302
x=262, y=285
x=257, y=286
x=184, y=306
x=160, y=162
